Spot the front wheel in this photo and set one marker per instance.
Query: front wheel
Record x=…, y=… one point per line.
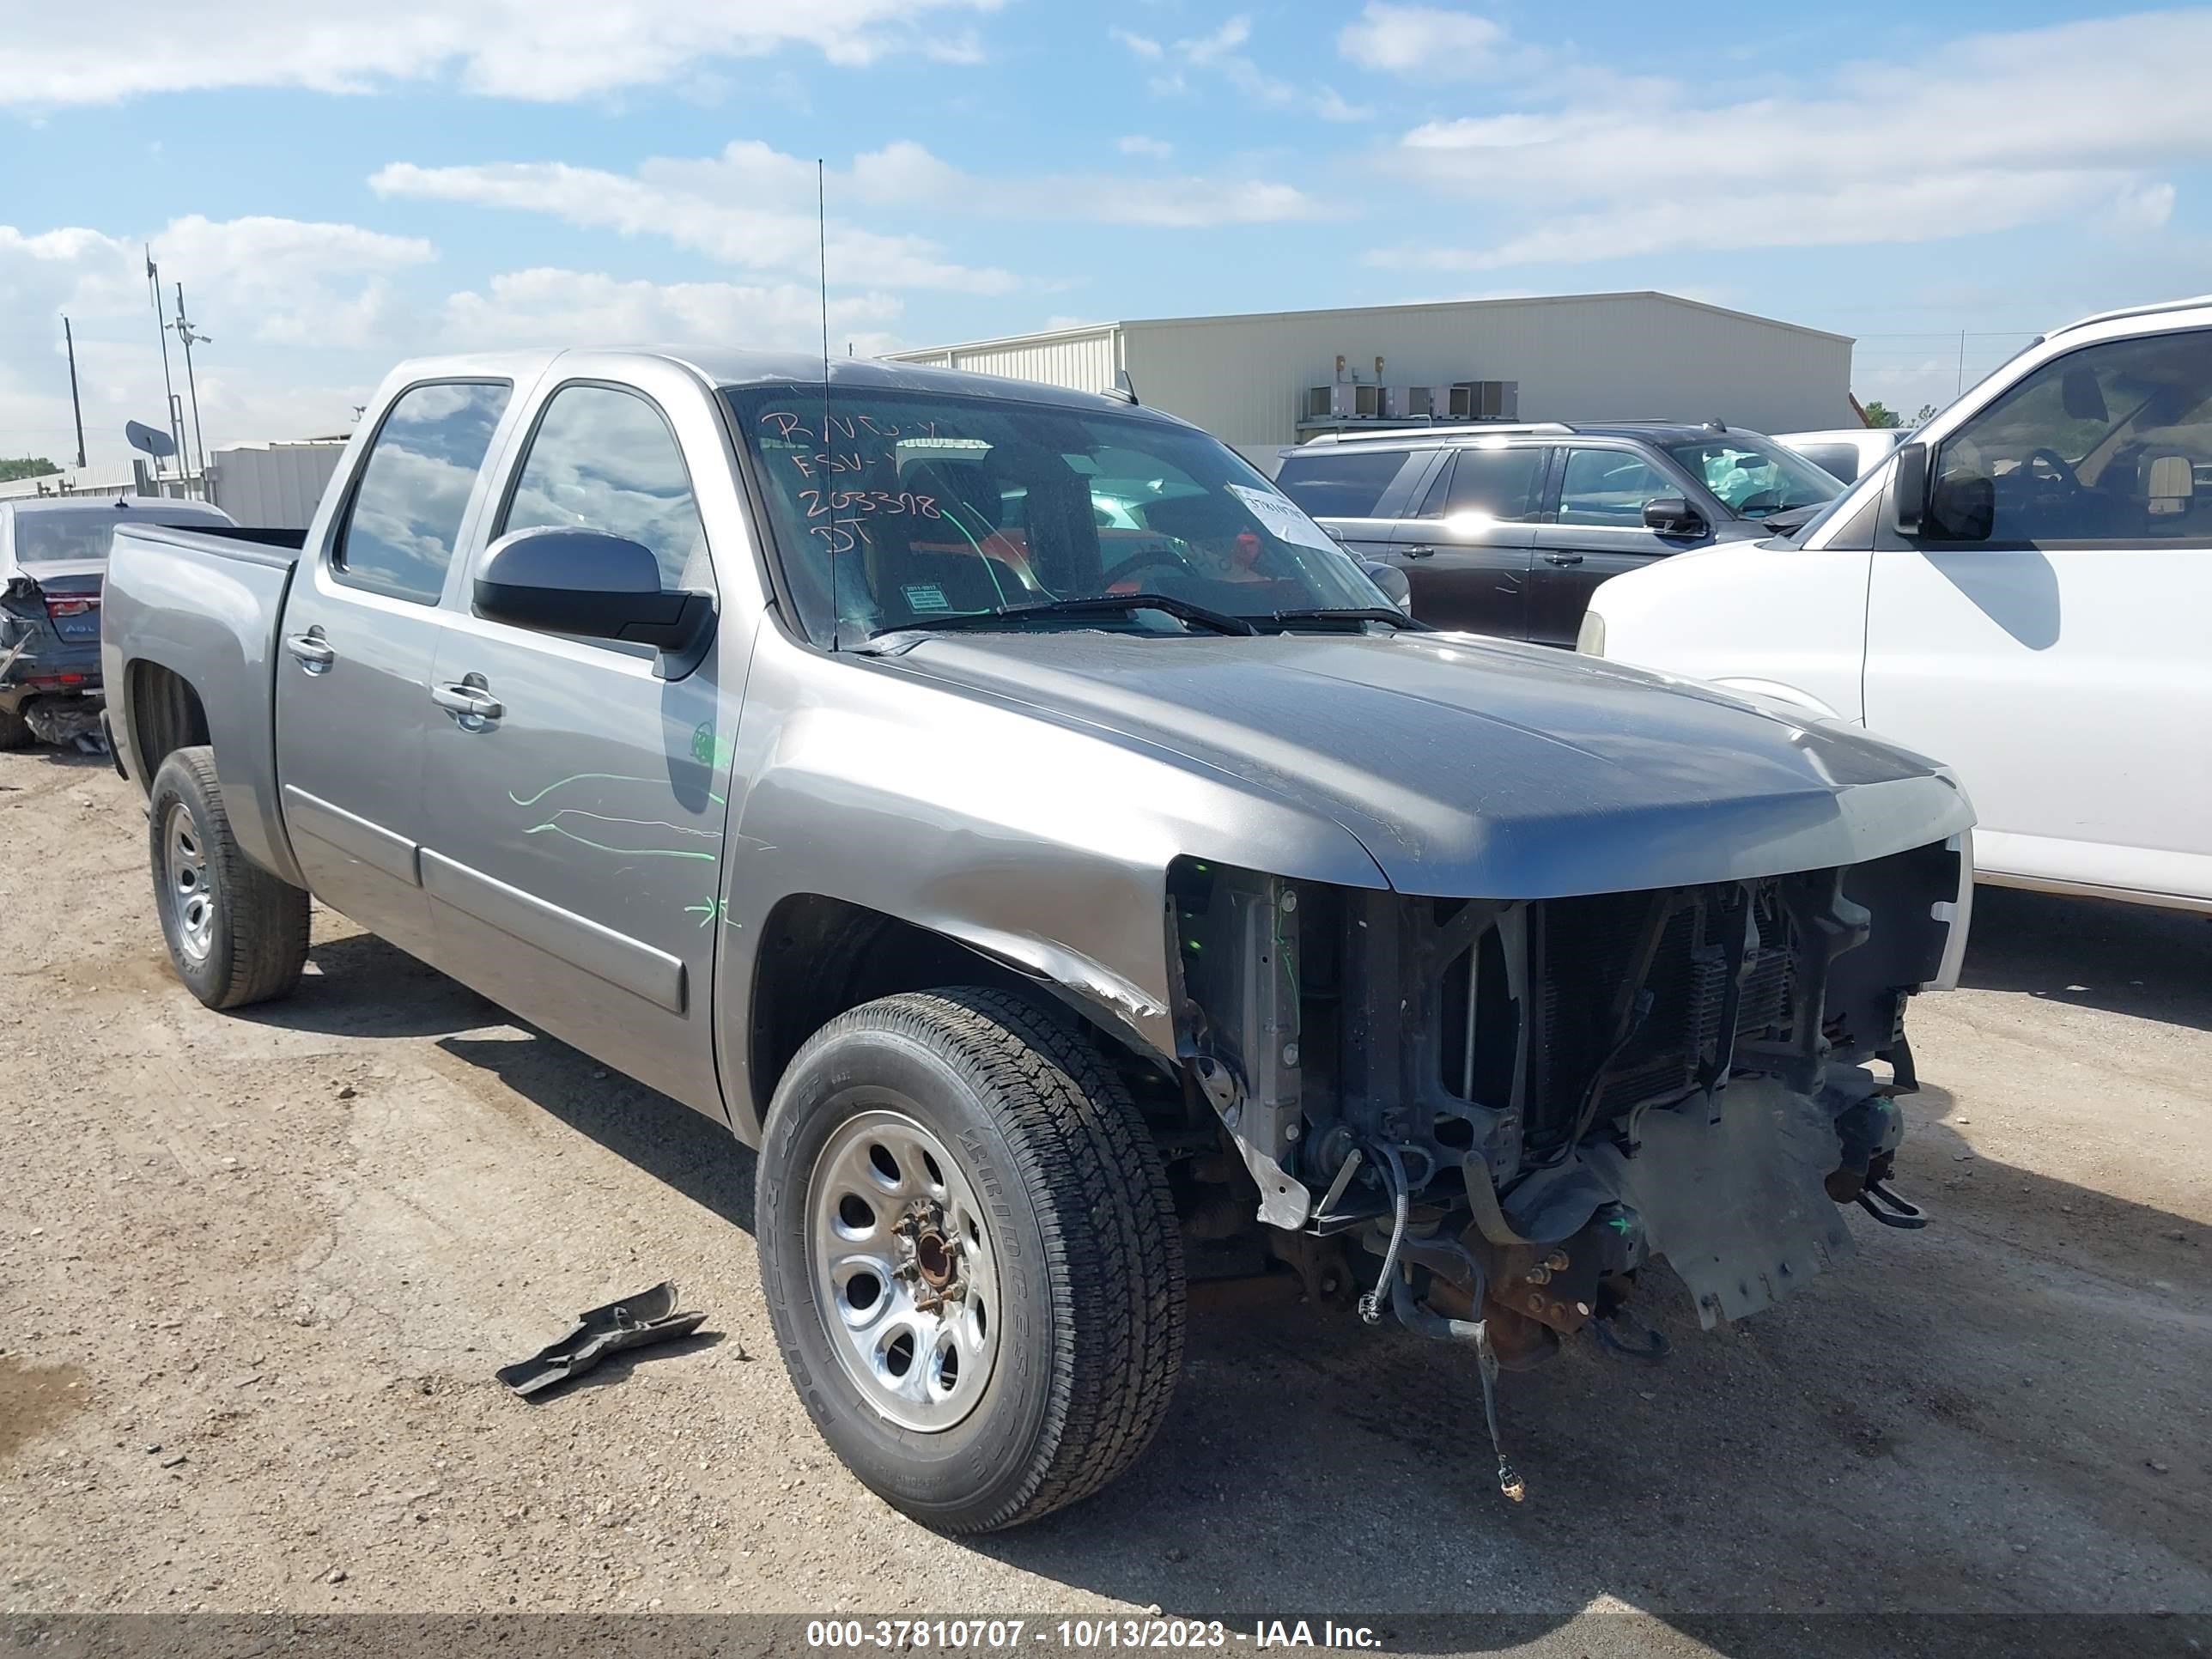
x=236, y=934
x=970, y=1255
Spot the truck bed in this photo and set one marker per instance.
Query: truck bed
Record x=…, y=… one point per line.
x=205, y=606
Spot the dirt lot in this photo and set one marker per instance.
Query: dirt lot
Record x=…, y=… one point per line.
x=255, y=1273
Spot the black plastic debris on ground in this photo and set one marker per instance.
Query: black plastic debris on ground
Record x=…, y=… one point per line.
x=636, y=1322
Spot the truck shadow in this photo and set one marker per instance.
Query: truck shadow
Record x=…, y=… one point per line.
x=2093, y=953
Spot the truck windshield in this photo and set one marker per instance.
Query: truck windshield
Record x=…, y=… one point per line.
x=81, y=535
x=1753, y=480
x=914, y=507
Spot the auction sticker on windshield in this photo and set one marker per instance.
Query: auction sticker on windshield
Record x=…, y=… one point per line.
x=1282, y=517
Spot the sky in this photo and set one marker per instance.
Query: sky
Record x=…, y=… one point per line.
x=340, y=187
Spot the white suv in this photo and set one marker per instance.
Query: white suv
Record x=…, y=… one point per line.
x=2024, y=591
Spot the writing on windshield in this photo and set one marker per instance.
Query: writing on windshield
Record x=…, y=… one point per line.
x=891, y=508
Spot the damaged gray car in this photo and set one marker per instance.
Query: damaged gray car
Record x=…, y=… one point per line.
x=53, y=551
x=1010, y=814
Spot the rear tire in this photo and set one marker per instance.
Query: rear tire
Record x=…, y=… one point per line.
x=14, y=730
x=1063, y=1304
x=236, y=934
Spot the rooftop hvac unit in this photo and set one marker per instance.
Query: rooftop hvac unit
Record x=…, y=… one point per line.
x=1343, y=401
x=1409, y=403
x=1486, y=400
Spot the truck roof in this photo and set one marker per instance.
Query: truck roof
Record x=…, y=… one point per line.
x=725, y=365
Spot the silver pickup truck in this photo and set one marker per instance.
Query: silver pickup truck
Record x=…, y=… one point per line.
x=1008, y=813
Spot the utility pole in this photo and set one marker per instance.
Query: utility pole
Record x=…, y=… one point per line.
x=1962, y=362
x=190, y=339
x=75, y=407
x=162, y=328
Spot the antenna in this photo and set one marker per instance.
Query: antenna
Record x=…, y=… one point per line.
x=821, y=254
x=69, y=340
x=161, y=327
x=185, y=333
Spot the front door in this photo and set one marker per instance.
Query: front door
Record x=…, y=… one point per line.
x=2044, y=633
x=1466, y=549
x=576, y=790
x=353, y=665
x=1595, y=531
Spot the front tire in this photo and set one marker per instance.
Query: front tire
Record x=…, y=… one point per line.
x=236, y=934
x=960, y=1174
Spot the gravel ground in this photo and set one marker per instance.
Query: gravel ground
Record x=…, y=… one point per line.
x=256, y=1272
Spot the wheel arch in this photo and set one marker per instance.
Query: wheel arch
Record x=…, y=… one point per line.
x=820, y=956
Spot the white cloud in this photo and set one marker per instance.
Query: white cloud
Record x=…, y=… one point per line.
x=100, y=51
x=1332, y=105
x=1157, y=149
x=754, y=207
x=751, y=206
x=1422, y=42
x=1219, y=52
x=261, y=287
x=547, y=305
x=2142, y=207
x=283, y=299
x=904, y=174
x=1652, y=167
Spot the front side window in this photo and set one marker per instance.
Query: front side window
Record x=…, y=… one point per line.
x=1609, y=487
x=921, y=507
x=1755, y=480
x=603, y=460
x=2112, y=443
x=1331, y=482
x=398, y=534
x=1499, y=485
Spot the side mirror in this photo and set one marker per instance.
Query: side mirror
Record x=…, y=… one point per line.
x=1908, y=488
x=1392, y=580
x=587, y=584
x=1672, y=515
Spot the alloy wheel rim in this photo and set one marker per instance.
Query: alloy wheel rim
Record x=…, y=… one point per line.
x=186, y=865
x=904, y=1271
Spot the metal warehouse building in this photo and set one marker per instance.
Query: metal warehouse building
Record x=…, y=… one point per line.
x=1273, y=379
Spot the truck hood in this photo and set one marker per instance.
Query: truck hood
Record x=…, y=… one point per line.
x=1475, y=767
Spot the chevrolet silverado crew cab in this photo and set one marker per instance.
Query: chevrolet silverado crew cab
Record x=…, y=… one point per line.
x=1003, y=808
x=1506, y=530
x=2024, y=588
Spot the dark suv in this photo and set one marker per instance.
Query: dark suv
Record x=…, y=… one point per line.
x=1507, y=529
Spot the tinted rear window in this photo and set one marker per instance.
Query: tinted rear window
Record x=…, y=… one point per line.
x=398, y=534
x=1332, y=482
x=1840, y=459
x=75, y=535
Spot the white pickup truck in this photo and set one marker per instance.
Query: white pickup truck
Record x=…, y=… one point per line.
x=2023, y=591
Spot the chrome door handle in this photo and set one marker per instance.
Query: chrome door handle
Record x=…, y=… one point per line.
x=1423, y=552
x=313, y=650
x=1563, y=558
x=467, y=702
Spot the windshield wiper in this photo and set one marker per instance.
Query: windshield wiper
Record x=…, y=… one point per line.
x=1792, y=517
x=1099, y=604
x=1367, y=613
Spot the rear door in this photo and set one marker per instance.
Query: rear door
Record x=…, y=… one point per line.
x=573, y=817
x=358, y=639
x=1357, y=492
x=1594, y=530
x=1468, y=545
x=2044, y=633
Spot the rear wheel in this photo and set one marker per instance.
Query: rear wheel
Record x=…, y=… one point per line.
x=236, y=934
x=970, y=1255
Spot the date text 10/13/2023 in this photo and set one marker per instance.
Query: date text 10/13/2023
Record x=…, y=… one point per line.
x=990, y=1635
